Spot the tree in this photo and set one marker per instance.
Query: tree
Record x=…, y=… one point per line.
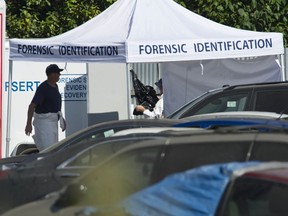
x=255, y=15
x=46, y=18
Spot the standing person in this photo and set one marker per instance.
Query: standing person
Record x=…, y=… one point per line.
x=45, y=107
x=157, y=111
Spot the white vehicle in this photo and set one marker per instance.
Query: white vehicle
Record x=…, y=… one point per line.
x=238, y=114
x=153, y=130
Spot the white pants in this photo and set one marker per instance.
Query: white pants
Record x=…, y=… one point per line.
x=46, y=130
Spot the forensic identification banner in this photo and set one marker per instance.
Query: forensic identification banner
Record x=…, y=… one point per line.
x=202, y=49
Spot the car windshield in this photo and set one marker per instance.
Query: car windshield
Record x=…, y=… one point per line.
x=182, y=109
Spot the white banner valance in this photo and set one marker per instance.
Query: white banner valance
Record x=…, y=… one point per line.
x=203, y=49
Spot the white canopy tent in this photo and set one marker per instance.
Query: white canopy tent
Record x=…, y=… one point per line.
x=135, y=31
x=147, y=31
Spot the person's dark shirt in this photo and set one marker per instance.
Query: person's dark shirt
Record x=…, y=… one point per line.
x=47, y=99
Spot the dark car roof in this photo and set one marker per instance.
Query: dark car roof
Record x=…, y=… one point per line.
x=278, y=172
x=122, y=141
x=212, y=137
x=243, y=146
x=256, y=85
x=130, y=123
x=208, y=135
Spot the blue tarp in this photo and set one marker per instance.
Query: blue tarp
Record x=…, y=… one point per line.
x=194, y=192
x=208, y=123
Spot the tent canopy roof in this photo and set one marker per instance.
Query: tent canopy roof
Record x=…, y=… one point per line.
x=147, y=31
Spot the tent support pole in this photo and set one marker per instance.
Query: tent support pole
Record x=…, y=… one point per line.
x=283, y=67
x=128, y=90
x=8, y=126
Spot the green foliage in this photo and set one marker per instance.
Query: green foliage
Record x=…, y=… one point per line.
x=254, y=15
x=46, y=18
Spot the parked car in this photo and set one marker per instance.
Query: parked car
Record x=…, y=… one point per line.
x=230, y=189
x=79, y=140
x=268, y=97
x=139, y=166
x=29, y=181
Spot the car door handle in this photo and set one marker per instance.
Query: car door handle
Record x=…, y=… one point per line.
x=70, y=175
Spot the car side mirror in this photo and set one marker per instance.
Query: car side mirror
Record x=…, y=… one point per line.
x=71, y=195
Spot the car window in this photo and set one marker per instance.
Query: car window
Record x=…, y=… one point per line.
x=179, y=112
x=224, y=103
x=272, y=101
x=121, y=176
x=137, y=166
x=256, y=197
x=186, y=156
x=269, y=151
x=99, y=152
x=90, y=156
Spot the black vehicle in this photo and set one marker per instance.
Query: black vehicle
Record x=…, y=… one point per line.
x=268, y=97
x=32, y=180
x=81, y=139
x=148, y=162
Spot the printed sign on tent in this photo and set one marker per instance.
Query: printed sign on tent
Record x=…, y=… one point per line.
x=73, y=87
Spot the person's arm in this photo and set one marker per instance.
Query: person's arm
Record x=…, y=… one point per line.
x=62, y=121
x=150, y=114
x=65, y=125
x=31, y=109
x=157, y=111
